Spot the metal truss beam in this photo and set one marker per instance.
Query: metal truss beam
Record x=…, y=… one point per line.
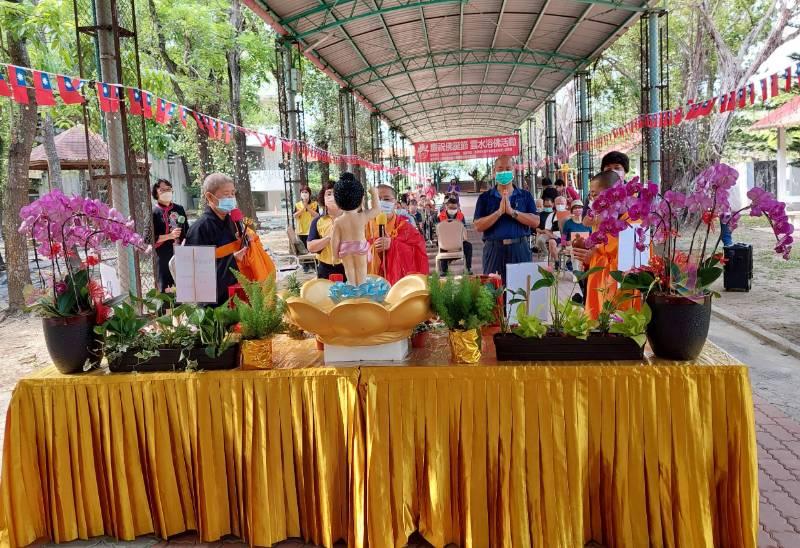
x=459, y=58
x=470, y=90
x=616, y=4
x=347, y=12
x=461, y=110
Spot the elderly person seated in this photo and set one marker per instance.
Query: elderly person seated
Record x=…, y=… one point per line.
x=552, y=228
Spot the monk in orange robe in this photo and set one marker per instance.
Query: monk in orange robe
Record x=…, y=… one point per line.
x=600, y=286
x=401, y=249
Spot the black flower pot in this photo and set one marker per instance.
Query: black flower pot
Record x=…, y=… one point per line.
x=679, y=327
x=72, y=342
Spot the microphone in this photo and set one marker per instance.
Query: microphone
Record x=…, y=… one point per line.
x=380, y=220
x=238, y=219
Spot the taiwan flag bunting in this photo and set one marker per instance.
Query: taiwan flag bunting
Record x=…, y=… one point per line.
x=183, y=115
x=199, y=121
x=43, y=88
x=161, y=110
x=5, y=91
x=732, y=101
x=707, y=106
x=135, y=101
x=773, y=85
x=742, y=98
x=17, y=77
x=108, y=97
x=797, y=72
x=170, y=112
x=763, y=89
x=227, y=133
x=677, y=116
x=751, y=89
x=68, y=89
x=723, y=103
x=787, y=75
x=147, y=108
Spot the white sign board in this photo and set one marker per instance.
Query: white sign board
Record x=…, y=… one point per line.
x=110, y=280
x=628, y=256
x=523, y=276
x=195, y=274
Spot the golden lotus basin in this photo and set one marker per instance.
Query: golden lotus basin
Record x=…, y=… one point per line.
x=361, y=322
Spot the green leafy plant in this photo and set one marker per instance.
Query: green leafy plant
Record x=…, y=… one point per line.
x=530, y=326
x=632, y=323
x=462, y=304
x=213, y=328
x=293, y=286
x=574, y=321
x=262, y=315
x=122, y=331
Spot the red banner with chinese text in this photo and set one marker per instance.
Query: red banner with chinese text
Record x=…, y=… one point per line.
x=465, y=149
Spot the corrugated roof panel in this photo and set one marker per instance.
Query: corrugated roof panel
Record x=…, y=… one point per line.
x=567, y=28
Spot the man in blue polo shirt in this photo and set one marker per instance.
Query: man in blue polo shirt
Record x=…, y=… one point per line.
x=505, y=215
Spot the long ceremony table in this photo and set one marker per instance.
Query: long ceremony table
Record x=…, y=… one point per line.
x=629, y=454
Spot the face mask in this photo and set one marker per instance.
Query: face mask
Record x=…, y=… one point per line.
x=304, y=196
x=165, y=197
x=621, y=174
x=387, y=207
x=504, y=177
x=561, y=208
x=226, y=204
x=547, y=209
x=452, y=212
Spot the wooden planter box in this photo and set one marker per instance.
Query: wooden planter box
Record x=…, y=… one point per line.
x=510, y=347
x=168, y=360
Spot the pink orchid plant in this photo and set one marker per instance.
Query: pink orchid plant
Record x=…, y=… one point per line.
x=673, y=270
x=70, y=232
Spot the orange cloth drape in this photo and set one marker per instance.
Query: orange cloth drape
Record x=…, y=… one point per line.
x=407, y=254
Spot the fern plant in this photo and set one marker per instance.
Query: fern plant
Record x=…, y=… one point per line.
x=462, y=304
x=262, y=315
x=293, y=286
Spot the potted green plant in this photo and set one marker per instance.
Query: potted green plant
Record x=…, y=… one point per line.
x=68, y=233
x=259, y=319
x=678, y=279
x=463, y=305
x=293, y=289
x=169, y=336
x=571, y=335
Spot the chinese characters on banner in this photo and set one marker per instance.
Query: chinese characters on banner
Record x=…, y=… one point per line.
x=465, y=149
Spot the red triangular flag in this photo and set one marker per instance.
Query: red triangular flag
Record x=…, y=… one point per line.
x=17, y=78
x=43, y=88
x=68, y=90
x=135, y=101
x=5, y=90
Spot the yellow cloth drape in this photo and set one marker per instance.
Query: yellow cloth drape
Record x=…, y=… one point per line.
x=263, y=455
x=629, y=454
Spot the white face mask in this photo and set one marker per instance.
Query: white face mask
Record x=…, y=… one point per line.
x=165, y=197
x=387, y=207
x=621, y=174
x=304, y=196
x=561, y=208
x=452, y=212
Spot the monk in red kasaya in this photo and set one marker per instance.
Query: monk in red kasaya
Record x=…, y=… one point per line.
x=398, y=249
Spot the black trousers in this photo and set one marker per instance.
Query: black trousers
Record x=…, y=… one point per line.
x=324, y=270
x=444, y=264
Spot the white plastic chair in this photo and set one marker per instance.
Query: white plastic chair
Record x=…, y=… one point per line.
x=450, y=235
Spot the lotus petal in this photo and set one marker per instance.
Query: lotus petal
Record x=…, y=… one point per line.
x=359, y=317
x=318, y=292
x=412, y=310
x=405, y=287
x=309, y=316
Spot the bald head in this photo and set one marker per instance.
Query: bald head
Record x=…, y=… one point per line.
x=503, y=163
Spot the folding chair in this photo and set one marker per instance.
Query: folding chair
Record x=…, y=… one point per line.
x=298, y=249
x=450, y=235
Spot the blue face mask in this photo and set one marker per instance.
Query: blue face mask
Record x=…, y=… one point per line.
x=227, y=204
x=504, y=177
x=547, y=209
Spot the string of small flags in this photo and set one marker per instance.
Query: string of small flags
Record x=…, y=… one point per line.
x=15, y=82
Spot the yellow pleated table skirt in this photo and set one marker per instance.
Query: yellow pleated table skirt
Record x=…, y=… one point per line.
x=627, y=454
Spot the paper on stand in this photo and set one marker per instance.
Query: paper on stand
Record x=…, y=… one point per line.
x=110, y=281
x=523, y=276
x=628, y=256
x=195, y=274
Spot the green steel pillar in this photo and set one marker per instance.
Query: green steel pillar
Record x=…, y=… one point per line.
x=583, y=132
x=654, y=86
x=550, y=136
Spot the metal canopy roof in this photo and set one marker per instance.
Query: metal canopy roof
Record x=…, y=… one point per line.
x=439, y=69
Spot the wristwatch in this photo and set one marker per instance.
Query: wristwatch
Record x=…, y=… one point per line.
x=514, y=214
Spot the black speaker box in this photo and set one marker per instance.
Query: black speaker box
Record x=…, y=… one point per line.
x=738, y=267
